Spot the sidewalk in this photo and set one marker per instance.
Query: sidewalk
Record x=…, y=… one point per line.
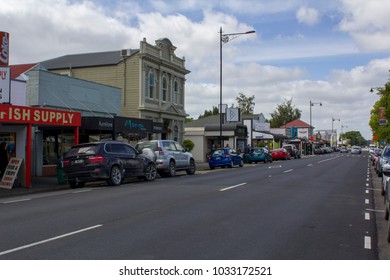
x=45, y=184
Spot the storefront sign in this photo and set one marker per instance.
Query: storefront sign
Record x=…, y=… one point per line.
x=33, y=115
x=123, y=124
x=4, y=48
x=5, y=75
x=97, y=123
x=10, y=173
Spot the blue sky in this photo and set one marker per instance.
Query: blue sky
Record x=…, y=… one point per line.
x=327, y=51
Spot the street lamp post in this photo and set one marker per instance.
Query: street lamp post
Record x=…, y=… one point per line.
x=333, y=119
x=311, y=105
x=223, y=39
x=311, y=129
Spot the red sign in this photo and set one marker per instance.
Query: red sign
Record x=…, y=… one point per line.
x=4, y=48
x=33, y=115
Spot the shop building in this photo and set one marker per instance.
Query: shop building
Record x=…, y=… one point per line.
x=151, y=78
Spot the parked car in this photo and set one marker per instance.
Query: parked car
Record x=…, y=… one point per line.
x=280, y=153
x=225, y=157
x=292, y=150
x=343, y=149
x=374, y=154
x=259, y=155
x=383, y=159
x=170, y=157
x=356, y=150
x=112, y=161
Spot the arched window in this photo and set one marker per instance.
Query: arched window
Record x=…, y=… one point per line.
x=151, y=85
x=164, y=90
x=175, y=95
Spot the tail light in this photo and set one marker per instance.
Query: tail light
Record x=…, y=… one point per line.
x=66, y=163
x=160, y=151
x=227, y=156
x=96, y=159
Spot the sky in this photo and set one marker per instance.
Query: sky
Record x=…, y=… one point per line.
x=330, y=52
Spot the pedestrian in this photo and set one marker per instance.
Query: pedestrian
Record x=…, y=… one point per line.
x=3, y=158
x=248, y=149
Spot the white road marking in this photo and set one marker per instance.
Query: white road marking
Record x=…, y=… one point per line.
x=81, y=191
x=48, y=240
x=367, y=216
x=367, y=242
x=367, y=201
x=367, y=191
x=286, y=171
x=232, y=187
x=327, y=159
x=15, y=201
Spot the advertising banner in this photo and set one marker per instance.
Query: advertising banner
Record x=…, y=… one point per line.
x=10, y=173
x=4, y=48
x=5, y=81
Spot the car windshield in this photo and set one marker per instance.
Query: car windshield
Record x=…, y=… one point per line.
x=386, y=152
x=218, y=152
x=82, y=150
x=151, y=145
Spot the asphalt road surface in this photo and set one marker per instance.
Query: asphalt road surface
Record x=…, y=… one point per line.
x=311, y=208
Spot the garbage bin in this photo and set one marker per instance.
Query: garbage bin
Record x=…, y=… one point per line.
x=60, y=173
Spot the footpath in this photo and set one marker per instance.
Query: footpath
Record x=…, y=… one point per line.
x=46, y=184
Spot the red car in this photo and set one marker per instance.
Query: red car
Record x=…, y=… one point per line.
x=280, y=154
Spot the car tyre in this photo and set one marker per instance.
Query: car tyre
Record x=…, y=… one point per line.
x=241, y=163
x=150, y=172
x=231, y=164
x=171, y=169
x=115, y=178
x=192, y=168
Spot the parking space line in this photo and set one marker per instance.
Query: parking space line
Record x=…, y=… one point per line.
x=48, y=240
x=15, y=201
x=232, y=187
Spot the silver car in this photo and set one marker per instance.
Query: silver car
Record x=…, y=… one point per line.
x=170, y=157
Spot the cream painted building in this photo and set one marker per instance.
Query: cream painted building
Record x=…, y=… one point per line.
x=152, y=79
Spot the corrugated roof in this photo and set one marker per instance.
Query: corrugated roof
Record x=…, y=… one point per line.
x=19, y=69
x=295, y=123
x=85, y=60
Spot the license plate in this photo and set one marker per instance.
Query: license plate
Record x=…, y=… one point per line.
x=79, y=161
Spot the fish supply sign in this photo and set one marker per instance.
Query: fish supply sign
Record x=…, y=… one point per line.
x=33, y=115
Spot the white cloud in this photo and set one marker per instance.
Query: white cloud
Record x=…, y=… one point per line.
x=309, y=16
x=368, y=23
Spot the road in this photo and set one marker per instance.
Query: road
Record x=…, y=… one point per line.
x=311, y=208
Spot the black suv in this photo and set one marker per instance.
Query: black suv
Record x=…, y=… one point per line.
x=112, y=161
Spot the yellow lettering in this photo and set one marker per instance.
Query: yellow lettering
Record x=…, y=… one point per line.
x=37, y=116
x=70, y=115
x=26, y=115
x=17, y=115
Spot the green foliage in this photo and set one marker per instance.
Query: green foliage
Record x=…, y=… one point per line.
x=381, y=131
x=208, y=113
x=284, y=113
x=246, y=104
x=354, y=138
x=189, y=145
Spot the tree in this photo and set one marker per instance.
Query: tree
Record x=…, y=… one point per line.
x=188, y=144
x=354, y=138
x=246, y=104
x=284, y=113
x=380, y=128
x=208, y=113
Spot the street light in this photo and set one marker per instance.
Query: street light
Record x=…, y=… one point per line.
x=342, y=133
x=331, y=140
x=312, y=104
x=224, y=39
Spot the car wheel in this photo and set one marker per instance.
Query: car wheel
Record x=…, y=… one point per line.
x=242, y=163
x=171, y=169
x=212, y=167
x=265, y=160
x=150, y=172
x=191, y=169
x=115, y=176
x=386, y=215
x=231, y=164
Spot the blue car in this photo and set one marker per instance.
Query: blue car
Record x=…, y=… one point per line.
x=225, y=157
